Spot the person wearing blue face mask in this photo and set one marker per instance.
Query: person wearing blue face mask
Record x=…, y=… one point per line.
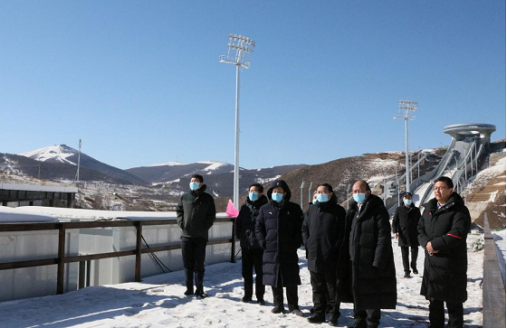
x=371, y=253
x=195, y=216
x=278, y=230
x=325, y=232
x=251, y=252
x=405, y=221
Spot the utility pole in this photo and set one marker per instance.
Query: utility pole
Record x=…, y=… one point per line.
x=78, y=161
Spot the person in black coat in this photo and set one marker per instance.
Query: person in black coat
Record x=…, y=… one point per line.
x=251, y=252
x=371, y=253
x=443, y=231
x=405, y=221
x=324, y=229
x=278, y=230
x=195, y=216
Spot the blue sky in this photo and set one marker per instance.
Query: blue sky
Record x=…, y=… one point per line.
x=140, y=81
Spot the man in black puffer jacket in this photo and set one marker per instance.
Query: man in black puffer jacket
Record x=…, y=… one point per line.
x=443, y=231
x=195, y=216
x=251, y=252
x=371, y=253
x=278, y=230
x=324, y=235
x=405, y=221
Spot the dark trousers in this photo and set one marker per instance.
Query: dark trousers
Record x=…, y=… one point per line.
x=193, y=251
x=437, y=314
x=367, y=318
x=324, y=293
x=252, y=258
x=291, y=292
x=404, y=256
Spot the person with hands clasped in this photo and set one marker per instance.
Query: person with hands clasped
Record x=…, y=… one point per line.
x=443, y=231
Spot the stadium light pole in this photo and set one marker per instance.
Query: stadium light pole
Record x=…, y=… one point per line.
x=238, y=46
x=405, y=107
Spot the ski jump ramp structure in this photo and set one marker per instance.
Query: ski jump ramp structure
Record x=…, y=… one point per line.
x=467, y=153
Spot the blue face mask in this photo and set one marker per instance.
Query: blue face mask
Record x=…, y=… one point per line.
x=407, y=201
x=322, y=198
x=253, y=196
x=359, y=198
x=277, y=197
x=194, y=185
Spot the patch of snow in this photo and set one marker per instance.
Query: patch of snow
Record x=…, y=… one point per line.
x=486, y=175
x=167, y=164
x=56, y=152
x=267, y=180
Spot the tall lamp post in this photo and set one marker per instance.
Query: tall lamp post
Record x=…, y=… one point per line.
x=405, y=108
x=238, y=46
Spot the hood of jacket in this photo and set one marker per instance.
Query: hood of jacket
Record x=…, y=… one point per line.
x=283, y=184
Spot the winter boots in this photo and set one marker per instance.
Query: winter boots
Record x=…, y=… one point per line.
x=189, y=281
x=199, y=278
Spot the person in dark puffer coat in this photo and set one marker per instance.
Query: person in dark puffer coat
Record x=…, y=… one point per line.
x=443, y=231
x=371, y=253
x=251, y=252
x=324, y=236
x=405, y=221
x=278, y=230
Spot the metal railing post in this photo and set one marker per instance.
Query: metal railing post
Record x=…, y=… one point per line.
x=139, y=228
x=61, y=257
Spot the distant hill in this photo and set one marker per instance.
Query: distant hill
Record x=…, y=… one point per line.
x=59, y=163
x=218, y=176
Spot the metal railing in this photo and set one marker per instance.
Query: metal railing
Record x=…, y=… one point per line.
x=62, y=259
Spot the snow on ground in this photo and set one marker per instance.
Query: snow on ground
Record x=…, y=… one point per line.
x=159, y=302
x=486, y=175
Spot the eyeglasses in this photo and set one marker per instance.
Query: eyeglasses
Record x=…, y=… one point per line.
x=440, y=188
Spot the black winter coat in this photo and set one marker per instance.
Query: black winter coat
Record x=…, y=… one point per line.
x=278, y=230
x=445, y=272
x=245, y=223
x=374, y=273
x=405, y=223
x=325, y=236
x=196, y=213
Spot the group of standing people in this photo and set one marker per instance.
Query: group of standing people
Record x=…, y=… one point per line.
x=349, y=253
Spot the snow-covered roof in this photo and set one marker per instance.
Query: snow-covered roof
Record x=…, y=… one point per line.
x=13, y=215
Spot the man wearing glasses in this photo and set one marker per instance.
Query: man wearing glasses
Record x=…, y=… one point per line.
x=443, y=231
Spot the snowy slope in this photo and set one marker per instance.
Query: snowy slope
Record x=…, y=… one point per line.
x=159, y=302
x=56, y=153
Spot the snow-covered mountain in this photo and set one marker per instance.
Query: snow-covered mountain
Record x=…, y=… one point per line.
x=218, y=176
x=54, y=154
x=59, y=162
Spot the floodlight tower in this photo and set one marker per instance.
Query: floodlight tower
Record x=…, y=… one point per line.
x=238, y=46
x=405, y=108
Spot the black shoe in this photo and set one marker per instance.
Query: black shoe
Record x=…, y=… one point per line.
x=277, y=309
x=414, y=269
x=261, y=302
x=189, y=292
x=333, y=319
x=297, y=312
x=317, y=318
x=201, y=294
x=246, y=299
x=407, y=275
x=361, y=323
